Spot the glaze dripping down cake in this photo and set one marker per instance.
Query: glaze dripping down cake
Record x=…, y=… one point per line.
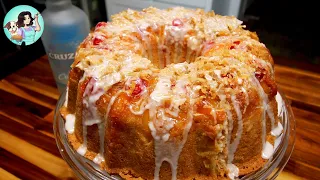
x=173, y=94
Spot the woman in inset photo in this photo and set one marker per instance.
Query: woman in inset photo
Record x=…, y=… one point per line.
x=26, y=28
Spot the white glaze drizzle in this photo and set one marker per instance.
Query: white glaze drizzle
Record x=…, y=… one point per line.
x=282, y=111
x=267, y=151
x=233, y=171
x=246, y=97
x=101, y=82
x=162, y=91
x=264, y=104
x=170, y=151
x=90, y=114
x=230, y=128
x=266, y=109
x=69, y=125
x=82, y=149
x=102, y=126
x=277, y=130
x=98, y=158
x=167, y=149
x=98, y=85
x=268, y=148
x=157, y=98
x=236, y=141
x=230, y=147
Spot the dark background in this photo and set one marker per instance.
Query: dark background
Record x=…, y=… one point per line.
x=288, y=28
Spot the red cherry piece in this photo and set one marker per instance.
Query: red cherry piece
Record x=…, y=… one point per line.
x=97, y=40
x=101, y=24
x=177, y=22
x=210, y=42
x=137, y=90
x=236, y=42
x=232, y=47
x=139, y=87
x=259, y=75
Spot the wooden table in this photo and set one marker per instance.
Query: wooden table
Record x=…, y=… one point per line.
x=28, y=149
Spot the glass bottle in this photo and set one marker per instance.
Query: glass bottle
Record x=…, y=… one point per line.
x=65, y=27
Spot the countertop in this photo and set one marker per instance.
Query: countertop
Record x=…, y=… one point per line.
x=28, y=98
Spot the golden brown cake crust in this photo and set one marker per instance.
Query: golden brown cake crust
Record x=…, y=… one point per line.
x=173, y=93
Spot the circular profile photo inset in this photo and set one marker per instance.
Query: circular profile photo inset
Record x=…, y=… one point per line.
x=23, y=24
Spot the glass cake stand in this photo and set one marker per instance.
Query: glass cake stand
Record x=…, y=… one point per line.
x=86, y=169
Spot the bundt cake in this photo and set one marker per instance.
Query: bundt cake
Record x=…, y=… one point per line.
x=173, y=94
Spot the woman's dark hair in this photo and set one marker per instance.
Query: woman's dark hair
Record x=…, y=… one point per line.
x=21, y=18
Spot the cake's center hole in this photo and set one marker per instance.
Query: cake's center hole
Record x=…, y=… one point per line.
x=170, y=44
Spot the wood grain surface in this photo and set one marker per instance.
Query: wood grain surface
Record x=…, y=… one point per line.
x=28, y=149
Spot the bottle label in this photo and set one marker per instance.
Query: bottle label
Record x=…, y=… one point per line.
x=66, y=56
x=62, y=42
x=61, y=57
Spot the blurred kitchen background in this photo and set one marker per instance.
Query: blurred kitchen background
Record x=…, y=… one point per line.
x=288, y=28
